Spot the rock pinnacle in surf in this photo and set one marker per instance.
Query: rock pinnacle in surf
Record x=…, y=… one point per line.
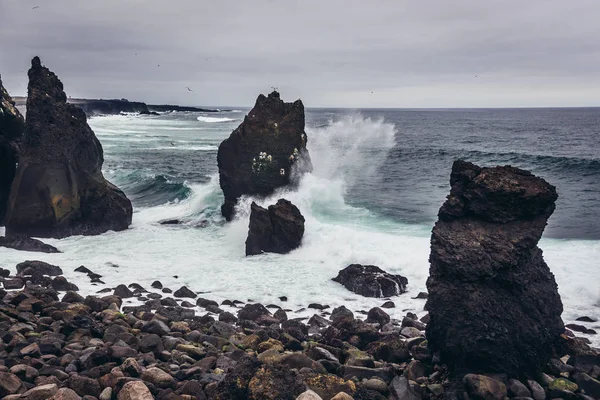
x=59, y=189
x=493, y=302
x=267, y=151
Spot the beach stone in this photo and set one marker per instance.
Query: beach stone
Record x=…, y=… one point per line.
x=253, y=312
x=484, y=388
x=83, y=385
x=309, y=395
x=62, y=159
x=537, y=391
x=65, y=394
x=38, y=267
x=273, y=382
x=235, y=383
x=24, y=372
x=135, y=390
x=41, y=392
x=416, y=369
x=484, y=244
x=388, y=304
x=123, y=292
x=259, y=155
x=563, y=384
x=11, y=284
x=371, y=281
x=278, y=229
x=401, y=390
x=342, y=396
x=157, y=327
x=377, y=385
x=60, y=283
x=106, y=394
x=377, y=315
x=72, y=297
x=131, y=367
x=517, y=389
x=185, y=292
x=158, y=378
x=9, y=384
x=590, y=385
x=341, y=312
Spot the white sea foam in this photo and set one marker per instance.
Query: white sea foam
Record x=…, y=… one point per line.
x=187, y=148
x=214, y=119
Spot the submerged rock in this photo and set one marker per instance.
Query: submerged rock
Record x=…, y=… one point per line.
x=493, y=302
x=371, y=281
x=265, y=152
x=12, y=126
x=25, y=243
x=59, y=189
x=276, y=230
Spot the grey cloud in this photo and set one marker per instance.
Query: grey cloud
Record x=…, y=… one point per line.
x=330, y=53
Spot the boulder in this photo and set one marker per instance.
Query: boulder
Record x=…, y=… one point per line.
x=484, y=388
x=59, y=189
x=274, y=382
x=278, y=229
x=135, y=390
x=12, y=127
x=267, y=151
x=25, y=243
x=38, y=268
x=371, y=281
x=493, y=302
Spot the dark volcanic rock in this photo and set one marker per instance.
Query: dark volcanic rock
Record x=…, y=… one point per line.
x=493, y=302
x=25, y=243
x=276, y=230
x=12, y=127
x=59, y=189
x=265, y=152
x=371, y=281
x=38, y=267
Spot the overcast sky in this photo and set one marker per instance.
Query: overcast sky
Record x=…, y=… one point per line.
x=339, y=53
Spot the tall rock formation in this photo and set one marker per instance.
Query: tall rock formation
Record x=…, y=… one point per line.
x=265, y=152
x=59, y=189
x=493, y=302
x=12, y=126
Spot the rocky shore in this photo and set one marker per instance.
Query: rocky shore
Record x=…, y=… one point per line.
x=56, y=343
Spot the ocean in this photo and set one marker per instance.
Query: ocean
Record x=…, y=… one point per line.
x=379, y=179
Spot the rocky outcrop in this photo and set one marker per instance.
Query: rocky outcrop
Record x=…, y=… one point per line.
x=493, y=302
x=59, y=189
x=12, y=126
x=25, y=243
x=371, y=281
x=278, y=229
x=265, y=152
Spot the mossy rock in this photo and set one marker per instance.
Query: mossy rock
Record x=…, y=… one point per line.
x=563, y=384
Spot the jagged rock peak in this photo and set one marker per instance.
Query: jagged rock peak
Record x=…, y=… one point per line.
x=265, y=152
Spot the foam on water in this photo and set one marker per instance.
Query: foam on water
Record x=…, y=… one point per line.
x=207, y=254
x=214, y=119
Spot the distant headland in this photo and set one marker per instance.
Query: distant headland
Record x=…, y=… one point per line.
x=93, y=107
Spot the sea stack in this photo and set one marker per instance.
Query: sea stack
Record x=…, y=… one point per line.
x=59, y=189
x=12, y=126
x=278, y=229
x=267, y=151
x=493, y=302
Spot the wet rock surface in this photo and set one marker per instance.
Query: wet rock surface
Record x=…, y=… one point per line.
x=265, y=152
x=371, y=281
x=278, y=229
